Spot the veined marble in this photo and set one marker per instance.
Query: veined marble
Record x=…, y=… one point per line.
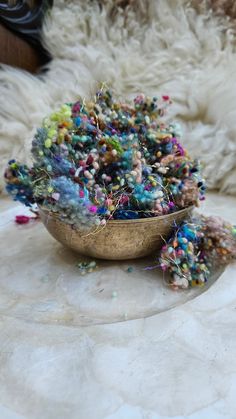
x=111, y=344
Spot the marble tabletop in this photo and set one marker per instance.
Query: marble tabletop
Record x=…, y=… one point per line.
x=112, y=344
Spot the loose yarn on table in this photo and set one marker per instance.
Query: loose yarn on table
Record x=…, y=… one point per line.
x=195, y=248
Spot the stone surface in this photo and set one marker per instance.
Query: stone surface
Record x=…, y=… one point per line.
x=111, y=344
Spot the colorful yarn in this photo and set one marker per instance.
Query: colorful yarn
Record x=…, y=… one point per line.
x=104, y=159
x=86, y=267
x=195, y=247
x=19, y=183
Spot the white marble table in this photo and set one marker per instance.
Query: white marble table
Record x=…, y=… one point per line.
x=111, y=344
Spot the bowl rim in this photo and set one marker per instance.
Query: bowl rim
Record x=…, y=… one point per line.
x=131, y=221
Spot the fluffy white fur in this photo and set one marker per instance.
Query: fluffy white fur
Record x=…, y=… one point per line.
x=153, y=46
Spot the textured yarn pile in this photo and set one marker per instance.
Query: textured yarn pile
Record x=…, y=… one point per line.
x=104, y=159
x=143, y=46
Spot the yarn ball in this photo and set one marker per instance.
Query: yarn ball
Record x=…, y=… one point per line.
x=195, y=248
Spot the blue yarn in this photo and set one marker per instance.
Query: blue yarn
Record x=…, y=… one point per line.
x=125, y=215
x=77, y=121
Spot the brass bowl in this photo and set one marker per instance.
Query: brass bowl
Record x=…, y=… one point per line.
x=119, y=239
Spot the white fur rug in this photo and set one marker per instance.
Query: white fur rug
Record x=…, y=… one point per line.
x=153, y=46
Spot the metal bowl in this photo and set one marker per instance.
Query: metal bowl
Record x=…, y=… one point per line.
x=119, y=239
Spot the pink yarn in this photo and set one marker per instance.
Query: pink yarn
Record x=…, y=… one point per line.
x=92, y=208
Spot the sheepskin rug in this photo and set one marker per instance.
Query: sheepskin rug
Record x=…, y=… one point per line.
x=150, y=46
